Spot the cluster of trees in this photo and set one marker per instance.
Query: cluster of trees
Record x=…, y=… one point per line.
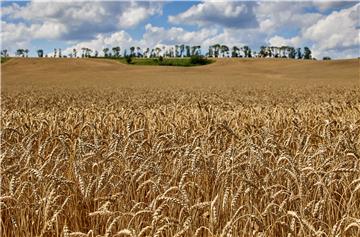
x=216, y=50
x=284, y=52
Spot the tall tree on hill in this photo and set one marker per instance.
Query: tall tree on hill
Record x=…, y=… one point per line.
x=299, y=54
x=106, y=51
x=210, y=52
x=55, y=53
x=247, y=51
x=235, y=52
x=132, y=51
x=74, y=52
x=176, y=53
x=116, y=51
x=216, y=48
x=20, y=52
x=157, y=51
x=307, y=53
x=262, y=52
x=4, y=53
x=146, y=53
x=292, y=53
x=40, y=53
x=26, y=51
x=182, y=49
x=224, y=50
x=188, y=54
x=60, y=53
x=138, y=52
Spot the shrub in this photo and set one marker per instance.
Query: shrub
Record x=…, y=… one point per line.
x=199, y=60
x=128, y=59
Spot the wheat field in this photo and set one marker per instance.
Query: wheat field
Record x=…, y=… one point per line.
x=239, y=157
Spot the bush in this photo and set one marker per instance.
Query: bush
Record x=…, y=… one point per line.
x=161, y=59
x=199, y=60
x=326, y=58
x=128, y=59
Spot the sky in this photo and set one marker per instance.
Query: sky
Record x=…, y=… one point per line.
x=328, y=28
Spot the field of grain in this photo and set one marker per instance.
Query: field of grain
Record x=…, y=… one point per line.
x=235, y=148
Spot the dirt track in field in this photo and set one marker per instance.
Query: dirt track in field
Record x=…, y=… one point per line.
x=45, y=73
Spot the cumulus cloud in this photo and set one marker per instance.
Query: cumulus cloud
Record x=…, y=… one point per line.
x=228, y=14
x=328, y=28
x=120, y=38
x=339, y=30
x=80, y=20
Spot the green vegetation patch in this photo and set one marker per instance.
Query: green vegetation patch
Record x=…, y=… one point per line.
x=4, y=59
x=179, y=62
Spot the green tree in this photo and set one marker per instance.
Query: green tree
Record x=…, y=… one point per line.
x=224, y=49
x=40, y=53
x=4, y=53
x=20, y=52
x=307, y=53
x=132, y=51
x=299, y=54
x=235, y=52
x=292, y=53
x=116, y=51
x=106, y=51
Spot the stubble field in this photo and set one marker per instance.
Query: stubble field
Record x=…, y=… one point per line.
x=235, y=148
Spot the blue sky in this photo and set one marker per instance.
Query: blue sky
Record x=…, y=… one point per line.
x=328, y=28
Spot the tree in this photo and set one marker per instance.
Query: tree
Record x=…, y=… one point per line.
x=132, y=51
x=96, y=54
x=26, y=52
x=263, y=52
x=4, y=53
x=247, y=51
x=326, y=58
x=146, y=53
x=138, y=52
x=235, y=52
x=193, y=50
x=55, y=52
x=60, y=53
x=216, y=48
x=116, y=51
x=210, y=52
x=106, y=50
x=292, y=52
x=40, y=53
x=299, y=54
x=182, y=49
x=157, y=51
x=224, y=50
x=187, y=48
x=307, y=53
x=20, y=52
x=74, y=52
x=176, y=53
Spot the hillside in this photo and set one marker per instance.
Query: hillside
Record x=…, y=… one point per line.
x=78, y=73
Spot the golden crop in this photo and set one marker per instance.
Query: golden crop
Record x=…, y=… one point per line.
x=180, y=162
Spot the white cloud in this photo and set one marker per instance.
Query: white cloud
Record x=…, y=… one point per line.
x=81, y=20
x=175, y=35
x=136, y=14
x=281, y=41
x=339, y=30
x=228, y=14
x=121, y=39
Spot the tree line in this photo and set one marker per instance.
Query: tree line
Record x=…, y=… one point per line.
x=214, y=51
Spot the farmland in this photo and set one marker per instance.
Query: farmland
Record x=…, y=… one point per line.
x=239, y=147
